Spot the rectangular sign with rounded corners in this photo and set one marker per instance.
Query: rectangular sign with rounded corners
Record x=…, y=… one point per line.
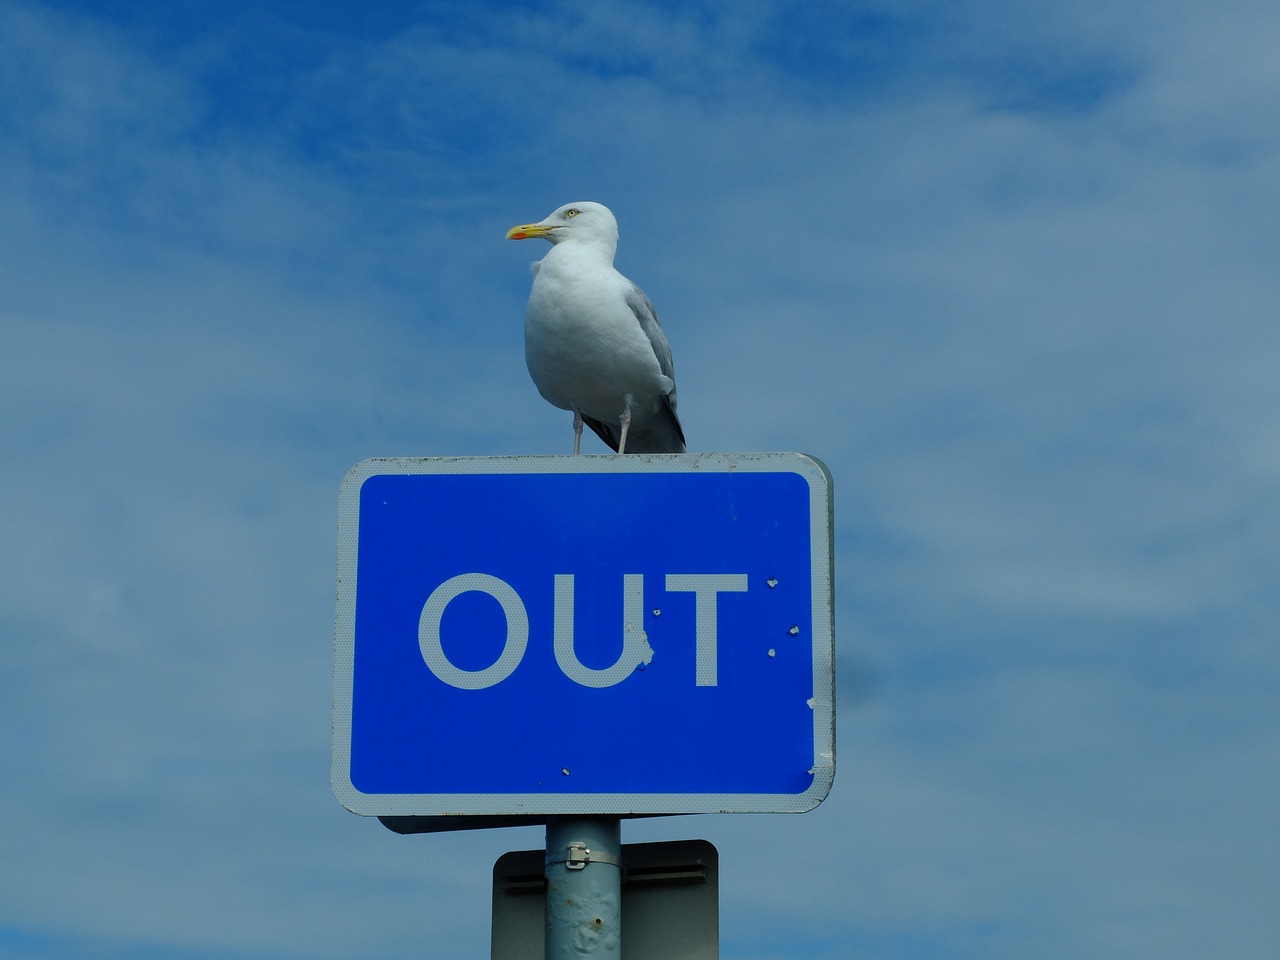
x=584, y=635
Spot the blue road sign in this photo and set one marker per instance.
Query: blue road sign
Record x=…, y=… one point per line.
x=584, y=635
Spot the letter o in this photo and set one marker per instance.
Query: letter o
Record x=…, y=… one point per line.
x=517, y=631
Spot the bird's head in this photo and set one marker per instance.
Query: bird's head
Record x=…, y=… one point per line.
x=585, y=220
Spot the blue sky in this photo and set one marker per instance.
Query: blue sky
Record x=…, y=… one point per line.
x=1009, y=271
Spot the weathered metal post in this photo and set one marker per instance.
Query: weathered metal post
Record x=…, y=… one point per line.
x=584, y=888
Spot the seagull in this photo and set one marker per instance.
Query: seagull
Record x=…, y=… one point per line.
x=592, y=340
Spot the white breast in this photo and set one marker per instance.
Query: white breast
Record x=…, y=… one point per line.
x=583, y=345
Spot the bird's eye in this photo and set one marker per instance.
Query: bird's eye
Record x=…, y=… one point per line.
x=570, y=214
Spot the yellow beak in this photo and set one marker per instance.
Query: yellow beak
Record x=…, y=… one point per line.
x=527, y=230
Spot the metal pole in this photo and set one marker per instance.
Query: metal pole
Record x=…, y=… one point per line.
x=584, y=888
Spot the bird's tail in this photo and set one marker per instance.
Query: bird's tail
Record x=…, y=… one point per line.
x=660, y=433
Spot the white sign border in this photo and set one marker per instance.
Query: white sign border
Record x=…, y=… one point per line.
x=605, y=804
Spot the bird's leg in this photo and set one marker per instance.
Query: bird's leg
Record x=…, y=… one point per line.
x=624, y=421
x=577, y=431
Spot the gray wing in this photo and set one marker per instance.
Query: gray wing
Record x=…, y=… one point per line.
x=660, y=432
x=648, y=318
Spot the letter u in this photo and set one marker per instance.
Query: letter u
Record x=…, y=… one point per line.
x=635, y=645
